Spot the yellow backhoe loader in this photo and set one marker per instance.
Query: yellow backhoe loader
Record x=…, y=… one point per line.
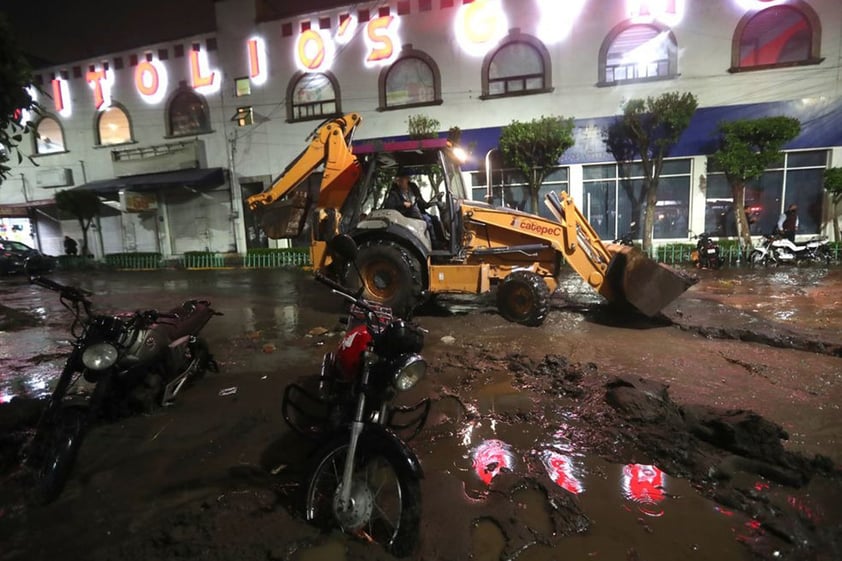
x=472, y=247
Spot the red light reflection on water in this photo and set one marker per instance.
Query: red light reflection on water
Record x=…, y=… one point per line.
x=491, y=457
x=561, y=470
x=644, y=484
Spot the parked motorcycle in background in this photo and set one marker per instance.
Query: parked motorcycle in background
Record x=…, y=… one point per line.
x=775, y=249
x=707, y=253
x=134, y=360
x=365, y=479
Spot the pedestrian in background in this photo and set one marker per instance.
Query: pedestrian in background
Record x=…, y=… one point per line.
x=788, y=222
x=70, y=246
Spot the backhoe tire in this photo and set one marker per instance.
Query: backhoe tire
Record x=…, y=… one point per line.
x=390, y=275
x=523, y=297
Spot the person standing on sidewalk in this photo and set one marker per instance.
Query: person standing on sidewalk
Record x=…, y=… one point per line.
x=788, y=222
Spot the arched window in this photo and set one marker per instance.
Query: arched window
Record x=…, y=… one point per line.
x=113, y=126
x=638, y=52
x=520, y=66
x=49, y=136
x=312, y=96
x=412, y=80
x=187, y=113
x=783, y=35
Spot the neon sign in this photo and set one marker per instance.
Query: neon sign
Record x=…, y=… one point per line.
x=314, y=51
x=150, y=79
x=202, y=78
x=61, y=97
x=751, y=5
x=258, y=70
x=101, y=82
x=480, y=25
x=381, y=36
x=557, y=19
x=668, y=12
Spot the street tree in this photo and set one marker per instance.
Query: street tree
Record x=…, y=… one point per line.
x=15, y=76
x=746, y=148
x=84, y=206
x=534, y=148
x=833, y=186
x=648, y=130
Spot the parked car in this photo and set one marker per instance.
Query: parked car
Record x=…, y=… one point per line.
x=17, y=257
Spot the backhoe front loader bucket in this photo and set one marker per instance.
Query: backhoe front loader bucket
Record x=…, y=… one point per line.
x=622, y=274
x=645, y=284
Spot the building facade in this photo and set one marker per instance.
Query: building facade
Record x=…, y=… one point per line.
x=174, y=136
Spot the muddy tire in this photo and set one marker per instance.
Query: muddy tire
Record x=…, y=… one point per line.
x=56, y=446
x=523, y=297
x=390, y=275
x=386, y=497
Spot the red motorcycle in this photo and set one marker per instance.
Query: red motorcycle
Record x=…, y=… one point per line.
x=365, y=479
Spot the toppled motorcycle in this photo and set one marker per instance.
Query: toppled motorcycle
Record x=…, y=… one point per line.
x=364, y=479
x=133, y=360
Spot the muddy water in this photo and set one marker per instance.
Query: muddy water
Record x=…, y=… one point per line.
x=257, y=306
x=665, y=517
x=487, y=432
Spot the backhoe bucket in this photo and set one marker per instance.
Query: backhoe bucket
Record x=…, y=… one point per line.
x=645, y=284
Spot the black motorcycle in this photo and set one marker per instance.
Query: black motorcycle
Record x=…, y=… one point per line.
x=365, y=478
x=135, y=361
x=707, y=253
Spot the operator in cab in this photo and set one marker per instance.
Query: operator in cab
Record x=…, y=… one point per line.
x=408, y=201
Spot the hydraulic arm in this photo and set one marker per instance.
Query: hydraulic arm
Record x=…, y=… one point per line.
x=329, y=146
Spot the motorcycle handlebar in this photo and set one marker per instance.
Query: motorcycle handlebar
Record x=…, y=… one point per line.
x=70, y=292
x=343, y=291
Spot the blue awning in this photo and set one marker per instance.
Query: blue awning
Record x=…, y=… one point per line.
x=821, y=127
x=198, y=178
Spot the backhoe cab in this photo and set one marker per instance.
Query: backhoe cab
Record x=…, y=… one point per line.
x=465, y=247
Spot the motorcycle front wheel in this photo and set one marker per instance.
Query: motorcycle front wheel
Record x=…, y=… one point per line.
x=757, y=257
x=55, y=447
x=385, y=497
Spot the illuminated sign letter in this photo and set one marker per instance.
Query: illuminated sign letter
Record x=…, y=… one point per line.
x=381, y=37
x=61, y=97
x=480, y=25
x=668, y=12
x=257, y=60
x=100, y=81
x=314, y=51
x=202, y=79
x=347, y=26
x=150, y=79
x=557, y=19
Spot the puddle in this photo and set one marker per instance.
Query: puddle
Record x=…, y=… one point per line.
x=664, y=517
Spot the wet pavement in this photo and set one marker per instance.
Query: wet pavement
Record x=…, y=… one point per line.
x=522, y=458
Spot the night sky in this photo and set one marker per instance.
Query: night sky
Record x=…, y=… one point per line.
x=54, y=32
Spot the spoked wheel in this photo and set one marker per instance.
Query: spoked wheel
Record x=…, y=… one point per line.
x=54, y=451
x=758, y=258
x=523, y=297
x=390, y=276
x=385, y=498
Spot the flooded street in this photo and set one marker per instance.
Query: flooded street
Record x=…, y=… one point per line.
x=592, y=437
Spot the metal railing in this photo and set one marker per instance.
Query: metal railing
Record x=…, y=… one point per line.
x=275, y=260
x=134, y=261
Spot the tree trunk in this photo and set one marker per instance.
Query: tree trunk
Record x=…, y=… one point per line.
x=85, y=224
x=534, y=187
x=738, y=192
x=649, y=215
